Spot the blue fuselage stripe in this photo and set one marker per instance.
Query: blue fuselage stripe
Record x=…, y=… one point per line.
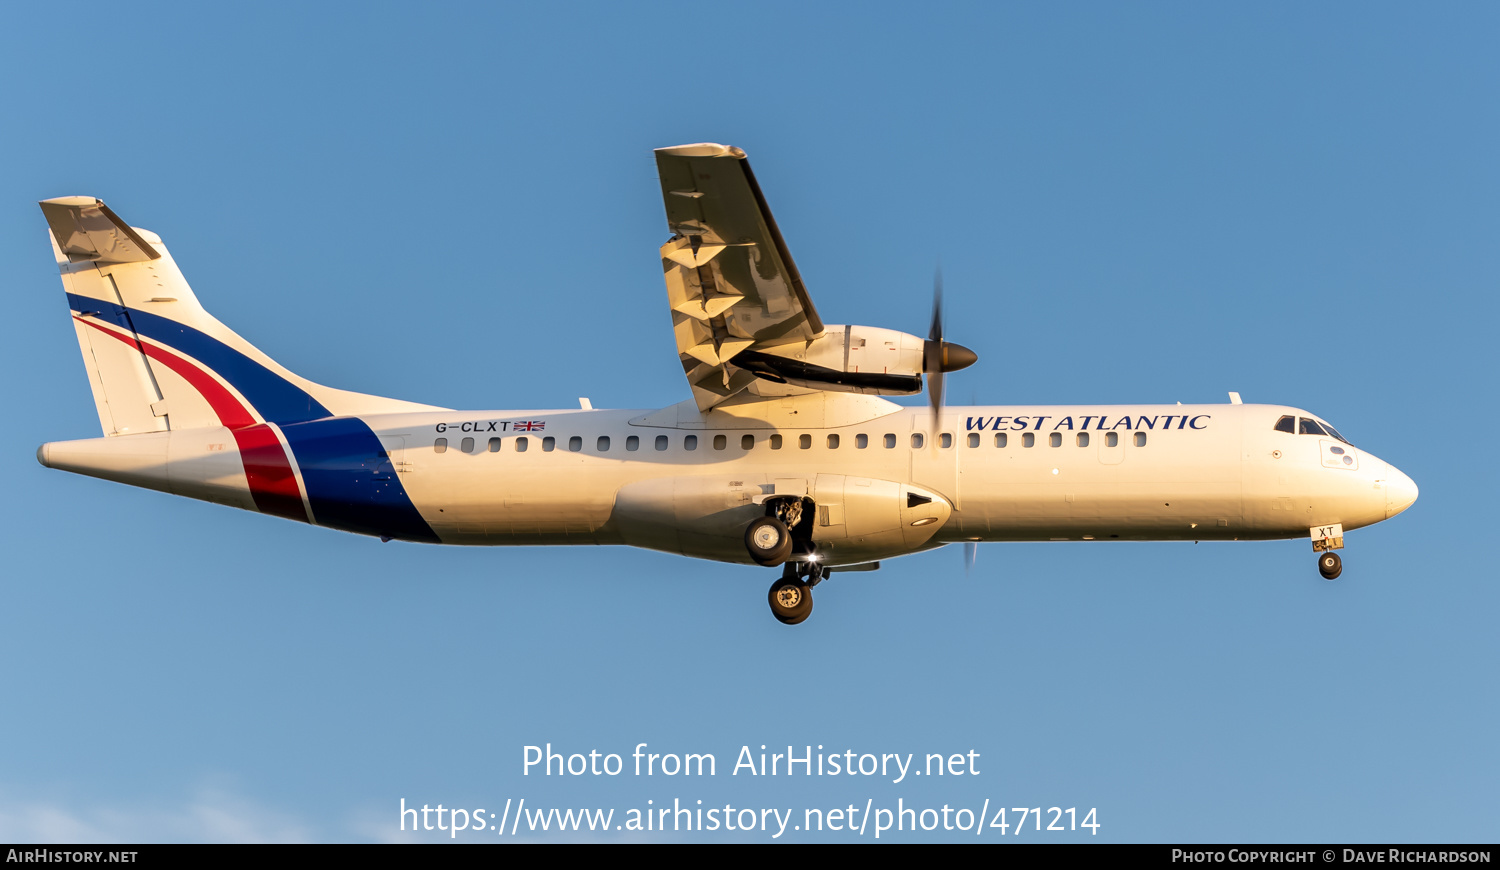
x=273, y=397
x=351, y=482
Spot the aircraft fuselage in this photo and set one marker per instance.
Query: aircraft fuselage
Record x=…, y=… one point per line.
x=994, y=473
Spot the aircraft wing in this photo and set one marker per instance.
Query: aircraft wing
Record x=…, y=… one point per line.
x=731, y=282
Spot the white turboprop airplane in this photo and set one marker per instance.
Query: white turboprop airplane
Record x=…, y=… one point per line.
x=785, y=455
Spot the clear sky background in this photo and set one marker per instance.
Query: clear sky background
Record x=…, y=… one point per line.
x=458, y=205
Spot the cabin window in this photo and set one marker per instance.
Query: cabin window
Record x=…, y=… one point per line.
x=466, y=445
x=804, y=441
x=833, y=442
x=575, y=443
x=690, y=442
x=633, y=443
x=1028, y=439
x=1112, y=439
x=747, y=442
x=494, y=445
x=890, y=441
x=1055, y=439
x=603, y=444
x=549, y=444
x=1083, y=439
x=1000, y=439
x=1140, y=439
x=973, y=439
x=776, y=442
x=861, y=441
x=521, y=444
x=661, y=442
x=440, y=445
x=1310, y=427
x=1287, y=424
x=945, y=440
x=720, y=442
x=917, y=440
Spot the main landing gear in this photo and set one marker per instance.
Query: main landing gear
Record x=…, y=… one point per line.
x=791, y=595
x=769, y=541
x=784, y=532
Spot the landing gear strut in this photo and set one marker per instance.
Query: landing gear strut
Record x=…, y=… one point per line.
x=1330, y=565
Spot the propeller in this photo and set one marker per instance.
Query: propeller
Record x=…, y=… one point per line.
x=940, y=357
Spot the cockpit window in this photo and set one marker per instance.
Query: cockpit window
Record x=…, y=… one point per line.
x=1335, y=433
x=1311, y=427
x=1287, y=424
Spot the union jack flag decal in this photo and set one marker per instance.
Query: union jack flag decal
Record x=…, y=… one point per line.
x=530, y=426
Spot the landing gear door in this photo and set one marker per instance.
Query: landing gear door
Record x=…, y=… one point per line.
x=1326, y=538
x=828, y=495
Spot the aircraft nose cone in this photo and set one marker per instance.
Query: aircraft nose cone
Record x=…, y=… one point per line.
x=1400, y=492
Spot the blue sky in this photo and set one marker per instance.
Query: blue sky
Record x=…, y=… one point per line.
x=458, y=205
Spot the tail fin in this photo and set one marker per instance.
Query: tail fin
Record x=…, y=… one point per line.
x=156, y=360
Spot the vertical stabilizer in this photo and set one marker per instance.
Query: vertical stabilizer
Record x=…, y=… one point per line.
x=156, y=359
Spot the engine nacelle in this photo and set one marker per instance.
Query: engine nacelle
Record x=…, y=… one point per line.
x=848, y=359
x=852, y=519
x=857, y=359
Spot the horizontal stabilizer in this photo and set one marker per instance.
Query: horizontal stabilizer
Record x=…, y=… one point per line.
x=86, y=229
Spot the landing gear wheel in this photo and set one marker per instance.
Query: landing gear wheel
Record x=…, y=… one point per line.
x=769, y=541
x=1330, y=565
x=791, y=600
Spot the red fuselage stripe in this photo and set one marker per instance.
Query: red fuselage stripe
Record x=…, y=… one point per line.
x=272, y=482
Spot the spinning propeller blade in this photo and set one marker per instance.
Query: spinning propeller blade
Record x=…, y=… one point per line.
x=940, y=357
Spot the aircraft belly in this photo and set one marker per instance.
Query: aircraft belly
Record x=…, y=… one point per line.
x=474, y=500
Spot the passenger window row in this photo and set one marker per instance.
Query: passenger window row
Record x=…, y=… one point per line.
x=522, y=443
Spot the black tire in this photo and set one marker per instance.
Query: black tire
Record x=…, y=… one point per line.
x=769, y=541
x=1330, y=565
x=791, y=600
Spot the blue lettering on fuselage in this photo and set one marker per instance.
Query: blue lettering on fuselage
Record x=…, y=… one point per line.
x=1127, y=423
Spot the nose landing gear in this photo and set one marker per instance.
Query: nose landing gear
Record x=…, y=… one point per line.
x=1326, y=539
